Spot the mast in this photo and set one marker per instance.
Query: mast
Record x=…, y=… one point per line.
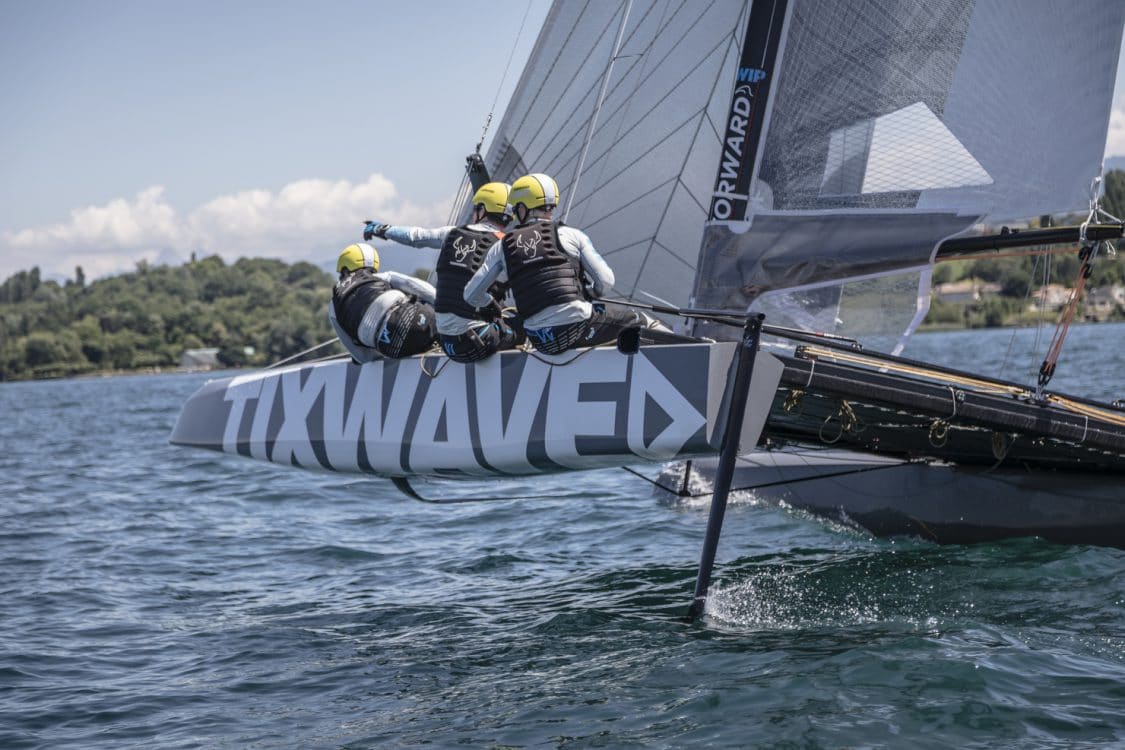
x=747, y=113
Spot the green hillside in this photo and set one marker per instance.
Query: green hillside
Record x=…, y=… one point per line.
x=255, y=311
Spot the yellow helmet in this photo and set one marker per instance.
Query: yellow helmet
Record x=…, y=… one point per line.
x=534, y=191
x=356, y=256
x=494, y=197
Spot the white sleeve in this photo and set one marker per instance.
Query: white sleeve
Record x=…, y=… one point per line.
x=491, y=270
x=418, y=236
x=410, y=285
x=598, y=273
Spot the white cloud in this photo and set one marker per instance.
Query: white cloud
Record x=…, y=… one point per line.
x=305, y=220
x=1115, y=140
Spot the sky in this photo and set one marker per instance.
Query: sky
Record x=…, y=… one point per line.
x=151, y=129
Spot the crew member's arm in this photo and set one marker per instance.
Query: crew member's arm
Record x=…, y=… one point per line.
x=412, y=236
x=410, y=285
x=598, y=273
x=492, y=269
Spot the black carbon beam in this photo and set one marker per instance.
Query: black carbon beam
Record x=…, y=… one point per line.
x=1008, y=239
x=736, y=410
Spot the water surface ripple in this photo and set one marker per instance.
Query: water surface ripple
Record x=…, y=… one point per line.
x=162, y=597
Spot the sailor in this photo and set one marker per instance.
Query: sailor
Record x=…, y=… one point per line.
x=555, y=273
x=376, y=314
x=467, y=333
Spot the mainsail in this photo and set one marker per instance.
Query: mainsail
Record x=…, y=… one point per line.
x=623, y=104
x=889, y=126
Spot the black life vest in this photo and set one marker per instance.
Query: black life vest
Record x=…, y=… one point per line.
x=353, y=294
x=461, y=255
x=539, y=271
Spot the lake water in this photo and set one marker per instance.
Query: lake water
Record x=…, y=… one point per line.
x=155, y=596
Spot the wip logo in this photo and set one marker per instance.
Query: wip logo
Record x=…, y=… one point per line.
x=460, y=251
x=751, y=75
x=531, y=246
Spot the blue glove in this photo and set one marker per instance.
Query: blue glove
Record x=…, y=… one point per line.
x=375, y=229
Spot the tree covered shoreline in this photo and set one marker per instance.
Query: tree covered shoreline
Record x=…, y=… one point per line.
x=255, y=311
x=258, y=311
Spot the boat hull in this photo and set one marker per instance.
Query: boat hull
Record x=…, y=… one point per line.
x=942, y=502
x=516, y=413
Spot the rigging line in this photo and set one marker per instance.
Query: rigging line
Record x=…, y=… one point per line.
x=716, y=316
x=1093, y=214
x=533, y=353
x=1034, y=355
x=504, y=76
x=1046, y=370
x=1088, y=253
x=1012, y=338
x=1108, y=215
x=460, y=198
x=656, y=299
x=953, y=396
x=310, y=350
x=442, y=362
x=598, y=106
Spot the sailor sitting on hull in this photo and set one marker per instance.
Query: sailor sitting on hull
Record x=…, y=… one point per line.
x=467, y=333
x=377, y=314
x=554, y=272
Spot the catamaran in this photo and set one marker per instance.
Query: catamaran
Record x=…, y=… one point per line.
x=805, y=160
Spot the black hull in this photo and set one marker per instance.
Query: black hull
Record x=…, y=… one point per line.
x=939, y=502
x=898, y=447
x=910, y=410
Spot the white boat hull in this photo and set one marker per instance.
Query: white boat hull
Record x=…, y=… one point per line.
x=513, y=414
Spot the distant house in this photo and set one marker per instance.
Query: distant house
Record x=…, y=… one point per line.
x=199, y=359
x=967, y=291
x=1102, y=301
x=1050, y=297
